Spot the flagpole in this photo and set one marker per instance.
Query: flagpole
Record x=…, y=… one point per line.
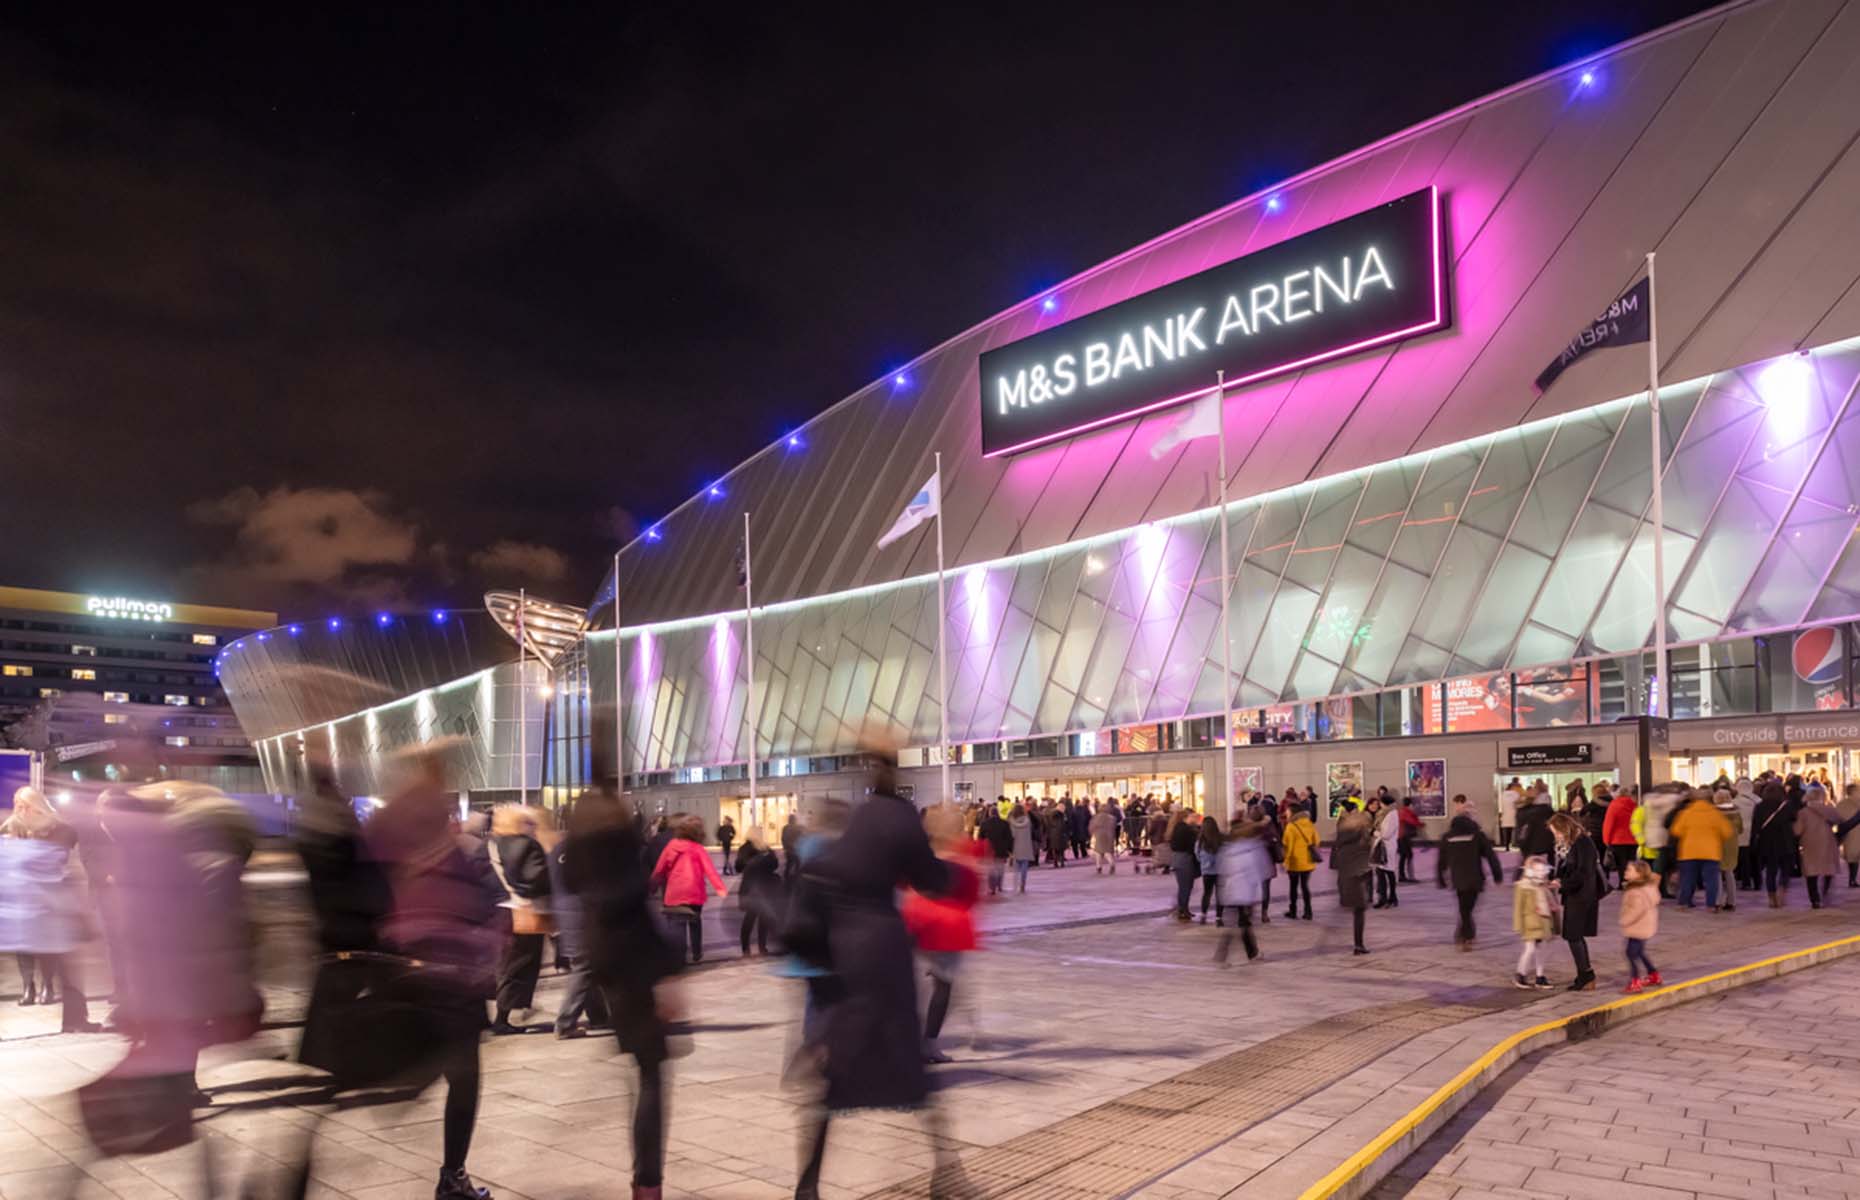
x=523, y=714
x=749, y=655
x=1665, y=706
x=619, y=678
x=942, y=637
x=1227, y=649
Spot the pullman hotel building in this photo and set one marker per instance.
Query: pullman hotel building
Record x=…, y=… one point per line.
x=1438, y=570
x=86, y=679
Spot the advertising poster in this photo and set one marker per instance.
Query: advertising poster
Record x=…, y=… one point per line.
x=1427, y=784
x=1343, y=780
x=1248, y=779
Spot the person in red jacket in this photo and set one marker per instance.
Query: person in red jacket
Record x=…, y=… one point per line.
x=1618, y=832
x=683, y=868
x=944, y=930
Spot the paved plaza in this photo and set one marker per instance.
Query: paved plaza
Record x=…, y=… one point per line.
x=1752, y=1094
x=1099, y=1052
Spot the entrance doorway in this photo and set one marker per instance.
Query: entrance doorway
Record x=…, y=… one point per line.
x=1559, y=782
x=764, y=816
x=1831, y=766
x=1179, y=786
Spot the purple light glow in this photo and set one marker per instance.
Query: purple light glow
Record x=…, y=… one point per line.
x=1787, y=388
x=1273, y=204
x=794, y=441
x=1050, y=304
x=335, y=623
x=900, y=380
x=715, y=491
x=1436, y=321
x=295, y=630
x=652, y=533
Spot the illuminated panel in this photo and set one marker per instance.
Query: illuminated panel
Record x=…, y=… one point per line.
x=1364, y=281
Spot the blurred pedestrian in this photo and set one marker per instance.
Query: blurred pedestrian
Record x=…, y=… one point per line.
x=758, y=892
x=1698, y=836
x=1816, y=842
x=1534, y=918
x=1850, y=842
x=1180, y=835
x=1243, y=866
x=1725, y=801
x=1640, y=920
x=349, y=899
x=726, y=838
x=943, y=928
x=1104, y=838
x=1207, y=862
x=1773, y=843
x=1301, y=842
x=1579, y=885
x=683, y=869
x=1020, y=826
x=1408, y=829
x=42, y=907
x=517, y=860
x=447, y=915
x=629, y=960
x=1349, y=858
x=871, y=1036
x=998, y=836
x=579, y=995
x=1618, y=840
x=1465, y=854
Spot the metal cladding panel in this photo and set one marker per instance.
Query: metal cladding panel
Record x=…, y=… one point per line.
x=1724, y=143
x=278, y=680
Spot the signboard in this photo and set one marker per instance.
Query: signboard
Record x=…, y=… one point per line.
x=79, y=750
x=1427, y=786
x=123, y=608
x=1343, y=782
x=1367, y=280
x=1562, y=754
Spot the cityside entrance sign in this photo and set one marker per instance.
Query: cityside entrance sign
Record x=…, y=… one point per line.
x=1367, y=280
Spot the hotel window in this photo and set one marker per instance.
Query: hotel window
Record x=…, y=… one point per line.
x=175, y=740
x=116, y=697
x=115, y=718
x=83, y=673
x=206, y=639
x=203, y=701
x=16, y=669
x=50, y=693
x=88, y=650
x=175, y=699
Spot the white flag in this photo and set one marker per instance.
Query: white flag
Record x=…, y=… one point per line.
x=924, y=505
x=1203, y=419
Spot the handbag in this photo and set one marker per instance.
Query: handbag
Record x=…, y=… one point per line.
x=128, y=1113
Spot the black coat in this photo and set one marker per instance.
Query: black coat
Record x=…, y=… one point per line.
x=759, y=871
x=999, y=835
x=568, y=920
x=1463, y=852
x=348, y=890
x=1349, y=857
x=1579, y=882
x=605, y=870
x=1080, y=818
x=1774, y=822
x=873, y=1040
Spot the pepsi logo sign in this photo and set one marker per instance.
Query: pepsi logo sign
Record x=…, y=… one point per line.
x=1817, y=654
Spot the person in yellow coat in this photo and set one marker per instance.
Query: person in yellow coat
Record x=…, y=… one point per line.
x=1699, y=833
x=1301, y=843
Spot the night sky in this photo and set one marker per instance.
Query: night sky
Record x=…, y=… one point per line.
x=385, y=309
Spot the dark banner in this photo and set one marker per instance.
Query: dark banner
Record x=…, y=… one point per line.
x=1363, y=281
x=1626, y=321
x=1566, y=754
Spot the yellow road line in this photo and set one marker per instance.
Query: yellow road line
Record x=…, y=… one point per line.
x=1353, y=1166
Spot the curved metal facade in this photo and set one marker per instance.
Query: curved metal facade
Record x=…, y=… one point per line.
x=1726, y=144
x=294, y=676
x=1409, y=514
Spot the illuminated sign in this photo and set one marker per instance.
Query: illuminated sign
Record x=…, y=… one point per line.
x=1367, y=280
x=122, y=608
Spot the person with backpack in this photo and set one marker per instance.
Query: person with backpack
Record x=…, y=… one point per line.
x=1464, y=854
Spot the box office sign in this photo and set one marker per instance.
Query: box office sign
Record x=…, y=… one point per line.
x=1562, y=754
x=1367, y=280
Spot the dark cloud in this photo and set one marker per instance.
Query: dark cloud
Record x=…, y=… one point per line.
x=513, y=278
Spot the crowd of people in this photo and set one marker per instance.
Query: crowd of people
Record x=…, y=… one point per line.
x=434, y=926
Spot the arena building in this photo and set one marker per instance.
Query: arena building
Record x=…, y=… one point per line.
x=1438, y=570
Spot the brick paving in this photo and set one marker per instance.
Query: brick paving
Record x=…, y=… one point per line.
x=1753, y=1094
x=1074, y=1005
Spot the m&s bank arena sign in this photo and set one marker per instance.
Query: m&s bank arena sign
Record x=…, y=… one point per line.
x=1364, y=281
